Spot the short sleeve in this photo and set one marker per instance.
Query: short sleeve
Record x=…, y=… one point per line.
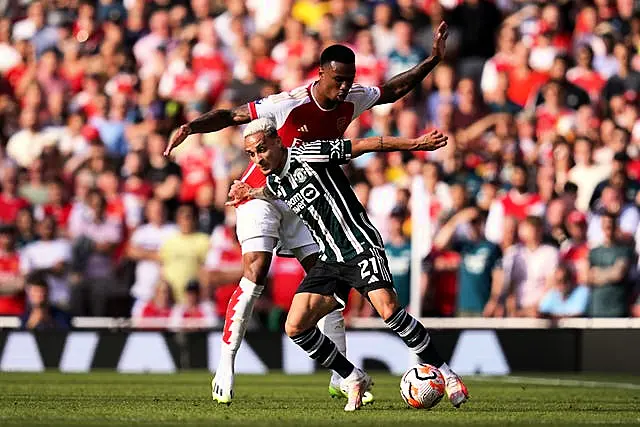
x=277, y=107
x=335, y=152
x=363, y=98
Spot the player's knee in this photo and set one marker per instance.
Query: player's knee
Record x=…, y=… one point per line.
x=255, y=266
x=293, y=328
x=387, y=309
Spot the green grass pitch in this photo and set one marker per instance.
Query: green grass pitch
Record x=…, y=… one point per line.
x=109, y=399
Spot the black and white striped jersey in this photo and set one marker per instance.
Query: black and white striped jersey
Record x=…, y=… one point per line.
x=316, y=189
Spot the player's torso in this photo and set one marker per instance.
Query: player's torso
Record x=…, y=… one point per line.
x=300, y=119
x=323, y=198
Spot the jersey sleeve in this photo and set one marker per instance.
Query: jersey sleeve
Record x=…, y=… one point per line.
x=363, y=98
x=335, y=152
x=277, y=107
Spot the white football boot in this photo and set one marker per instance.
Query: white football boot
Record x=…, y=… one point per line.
x=355, y=385
x=456, y=390
x=222, y=387
x=336, y=391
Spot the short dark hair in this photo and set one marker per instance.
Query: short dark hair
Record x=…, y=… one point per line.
x=37, y=278
x=534, y=221
x=337, y=53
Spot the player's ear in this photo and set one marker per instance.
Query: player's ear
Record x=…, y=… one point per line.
x=320, y=71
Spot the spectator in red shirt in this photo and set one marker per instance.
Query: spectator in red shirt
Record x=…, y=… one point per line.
x=552, y=111
x=440, y=283
x=286, y=274
x=158, y=307
x=523, y=81
x=11, y=281
x=584, y=75
x=517, y=202
x=57, y=206
x=223, y=266
x=10, y=202
x=575, y=250
x=193, y=308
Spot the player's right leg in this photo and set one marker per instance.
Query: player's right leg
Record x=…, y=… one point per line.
x=257, y=229
x=306, y=309
x=296, y=240
x=321, y=292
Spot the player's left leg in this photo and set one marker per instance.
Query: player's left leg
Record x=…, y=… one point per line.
x=416, y=337
x=369, y=272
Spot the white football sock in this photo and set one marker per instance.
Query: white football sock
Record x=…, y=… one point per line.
x=236, y=319
x=332, y=325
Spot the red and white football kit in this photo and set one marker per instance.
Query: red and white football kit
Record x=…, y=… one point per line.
x=299, y=119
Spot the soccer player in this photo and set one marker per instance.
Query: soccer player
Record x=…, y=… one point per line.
x=321, y=110
x=309, y=179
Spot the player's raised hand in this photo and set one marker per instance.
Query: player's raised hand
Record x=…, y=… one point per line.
x=177, y=138
x=431, y=141
x=440, y=40
x=238, y=192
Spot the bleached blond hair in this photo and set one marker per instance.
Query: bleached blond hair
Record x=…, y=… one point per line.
x=264, y=125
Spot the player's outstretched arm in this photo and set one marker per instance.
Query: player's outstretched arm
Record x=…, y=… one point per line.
x=211, y=121
x=428, y=142
x=403, y=83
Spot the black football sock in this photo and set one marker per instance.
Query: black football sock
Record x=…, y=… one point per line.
x=415, y=336
x=322, y=349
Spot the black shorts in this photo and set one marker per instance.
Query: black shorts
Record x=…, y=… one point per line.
x=366, y=272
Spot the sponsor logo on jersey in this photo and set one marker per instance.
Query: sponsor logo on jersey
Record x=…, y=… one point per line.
x=303, y=198
x=303, y=128
x=335, y=151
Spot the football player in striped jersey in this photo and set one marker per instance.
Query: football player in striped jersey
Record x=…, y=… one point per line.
x=310, y=180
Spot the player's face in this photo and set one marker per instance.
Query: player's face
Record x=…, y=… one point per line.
x=265, y=151
x=336, y=80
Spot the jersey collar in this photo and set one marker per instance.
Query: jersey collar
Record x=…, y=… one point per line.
x=287, y=164
x=313, y=98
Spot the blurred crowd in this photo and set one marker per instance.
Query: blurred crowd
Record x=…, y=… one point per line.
x=533, y=205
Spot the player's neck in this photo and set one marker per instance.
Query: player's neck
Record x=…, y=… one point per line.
x=283, y=161
x=319, y=97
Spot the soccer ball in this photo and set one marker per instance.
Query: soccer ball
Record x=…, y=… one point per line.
x=422, y=386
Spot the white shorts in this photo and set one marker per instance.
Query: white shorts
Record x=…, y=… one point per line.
x=263, y=226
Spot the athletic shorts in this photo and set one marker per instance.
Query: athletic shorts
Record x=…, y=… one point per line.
x=263, y=226
x=365, y=273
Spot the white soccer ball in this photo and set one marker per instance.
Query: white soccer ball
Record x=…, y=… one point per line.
x=422, y=386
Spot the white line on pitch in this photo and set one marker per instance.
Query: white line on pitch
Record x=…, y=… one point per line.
x=557, y=382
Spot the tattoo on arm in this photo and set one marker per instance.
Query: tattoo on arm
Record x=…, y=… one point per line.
x=261, y=193
x=404, y=83
x=381, y=144
x=215, y=120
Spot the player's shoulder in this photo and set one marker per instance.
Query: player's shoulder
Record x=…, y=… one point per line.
x=358, y=90
x=363, y=97
x=292, y=98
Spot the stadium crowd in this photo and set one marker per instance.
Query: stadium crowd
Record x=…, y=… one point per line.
x=534, y=203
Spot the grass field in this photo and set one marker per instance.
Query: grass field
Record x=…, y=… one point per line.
x=110, y=399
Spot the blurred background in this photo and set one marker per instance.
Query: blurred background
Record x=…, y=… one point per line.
x=532, y=210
